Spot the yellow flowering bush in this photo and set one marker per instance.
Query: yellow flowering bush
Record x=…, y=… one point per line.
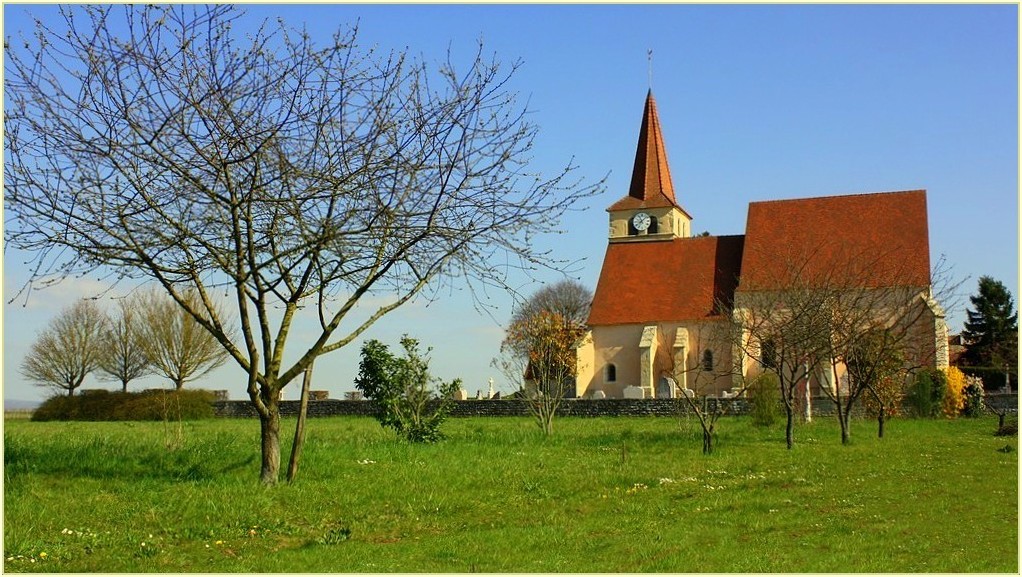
x=954, y=393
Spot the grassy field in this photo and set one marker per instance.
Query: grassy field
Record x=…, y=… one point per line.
x=603, y=495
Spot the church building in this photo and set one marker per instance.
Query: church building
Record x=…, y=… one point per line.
x=662, y=292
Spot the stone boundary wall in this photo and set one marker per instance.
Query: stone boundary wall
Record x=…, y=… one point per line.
x=822, y=406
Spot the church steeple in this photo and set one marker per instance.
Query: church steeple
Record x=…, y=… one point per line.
x=651, y=177
x=650, y=211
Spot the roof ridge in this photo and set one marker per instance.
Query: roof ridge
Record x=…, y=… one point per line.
x=713, y=236
x=848, y=195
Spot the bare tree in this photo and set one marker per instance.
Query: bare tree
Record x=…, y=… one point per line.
x=880, y=369
x=541, y=351
x=539, y=347
x=568, y=298
x=68, y=349
x=175, y=343
x=876, y=332
x=698, y=381
x=123, y=357
x=1001, y=413
x=168, y=146
x=836, y=321
x=868, y=327
x=785, y=323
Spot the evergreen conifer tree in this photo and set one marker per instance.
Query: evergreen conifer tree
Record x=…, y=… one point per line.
x=991, y=331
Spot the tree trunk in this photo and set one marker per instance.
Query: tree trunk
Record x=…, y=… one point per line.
x=544, y=415
x=124, y=386
x=788, y=398
x=881, y=414
x=843, y=418
x=548, y=421
x=707, y=440
x=270, y=432
x=789, y=429
x=296, y=447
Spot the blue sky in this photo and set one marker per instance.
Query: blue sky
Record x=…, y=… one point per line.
x=756, y=102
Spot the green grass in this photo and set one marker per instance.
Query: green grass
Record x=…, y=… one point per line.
x=603, y=495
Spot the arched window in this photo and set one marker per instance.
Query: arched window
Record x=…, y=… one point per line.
x=768, y=354
x=654, y=225
x=707, y=360
x=610, y=373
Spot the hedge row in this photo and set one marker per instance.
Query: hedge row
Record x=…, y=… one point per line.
x=993, y=377
x=151, y=405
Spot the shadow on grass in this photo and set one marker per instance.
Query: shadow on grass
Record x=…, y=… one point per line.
x=100, y=459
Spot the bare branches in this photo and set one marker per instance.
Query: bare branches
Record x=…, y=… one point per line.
x=286, y=173
x=842, y=318
x=68, y=349
x=123, y=357
x=568, y=298
x=541, y=350
x=696, y=379
x=177, y=346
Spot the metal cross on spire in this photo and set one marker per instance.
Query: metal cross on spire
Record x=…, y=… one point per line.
x=649, y=58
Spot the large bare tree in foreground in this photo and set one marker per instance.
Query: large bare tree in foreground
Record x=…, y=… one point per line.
x=161, y=143
x=68, y=349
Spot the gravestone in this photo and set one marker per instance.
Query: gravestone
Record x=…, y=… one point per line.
x=665, y=389
x=634, y=392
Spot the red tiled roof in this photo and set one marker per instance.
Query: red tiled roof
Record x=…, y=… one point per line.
x=632, y=203
x=663, y=281
x=651, y=185
x=878, y=239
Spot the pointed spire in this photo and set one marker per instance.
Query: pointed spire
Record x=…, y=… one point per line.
x=650, y=176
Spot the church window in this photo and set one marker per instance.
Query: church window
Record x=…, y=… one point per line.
x=610, y=373
x=654, y=225
x=707, y=360
x=768, y=354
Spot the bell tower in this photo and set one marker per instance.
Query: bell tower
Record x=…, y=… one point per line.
x=650, y=211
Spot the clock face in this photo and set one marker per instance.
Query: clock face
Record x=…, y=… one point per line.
x=641, y=221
